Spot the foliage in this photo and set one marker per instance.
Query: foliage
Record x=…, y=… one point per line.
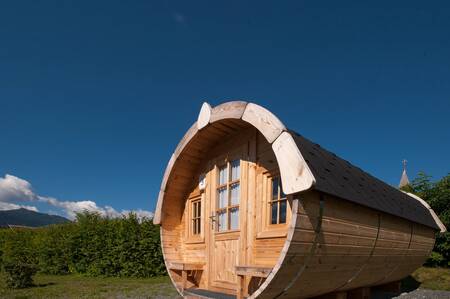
x=19, y=275
x=19, y=260
x=92, y=245
x=432, y=278
x=437, y=195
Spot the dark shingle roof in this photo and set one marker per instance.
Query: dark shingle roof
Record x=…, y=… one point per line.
x=336, y=176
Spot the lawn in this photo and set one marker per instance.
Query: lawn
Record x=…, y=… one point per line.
x=432, y=278
x=75, y=286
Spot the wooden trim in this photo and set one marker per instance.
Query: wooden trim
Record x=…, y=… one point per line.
x=233, y=109
x=295, y=173
x=273, y=233
x=261, y=118
x=266, y=228
x=438, y=221
x=190, y=237
x=204, y=116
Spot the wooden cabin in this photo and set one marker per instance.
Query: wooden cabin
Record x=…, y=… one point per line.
x=249, y=208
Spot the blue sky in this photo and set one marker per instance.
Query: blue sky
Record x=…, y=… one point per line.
x=95, y=95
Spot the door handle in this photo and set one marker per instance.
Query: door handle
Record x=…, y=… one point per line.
x=212, y=218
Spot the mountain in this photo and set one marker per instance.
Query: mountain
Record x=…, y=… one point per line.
x=24, y=217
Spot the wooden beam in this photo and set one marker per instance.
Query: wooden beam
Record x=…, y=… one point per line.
x=254, y=271
x=157, y=216
x=183, y=280
x=240, y=287
x=433, y=214
x=264, y=120
x=295, y=173
x=185, y=266
x=233, y=109
x=204, y=116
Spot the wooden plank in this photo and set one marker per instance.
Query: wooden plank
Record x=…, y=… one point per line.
x=185, y=266
x=267, y=123
x=232, y=109
x=253, y=270
x=240, y=287
x=204, y=116
x=295, y=173
x=433, y=214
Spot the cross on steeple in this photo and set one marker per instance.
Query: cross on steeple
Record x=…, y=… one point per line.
x=404, y=179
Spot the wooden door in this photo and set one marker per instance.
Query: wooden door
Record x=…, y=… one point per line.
x=226, y=213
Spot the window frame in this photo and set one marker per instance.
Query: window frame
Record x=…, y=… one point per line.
x=265, y=229
x=196, y=216
x=197, y=197
x=227, y=161
x=272, y=201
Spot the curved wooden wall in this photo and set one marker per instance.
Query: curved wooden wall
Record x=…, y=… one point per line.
x=331, y=245
x=334, y=245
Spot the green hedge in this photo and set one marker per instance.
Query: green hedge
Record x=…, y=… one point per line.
x=91, y=245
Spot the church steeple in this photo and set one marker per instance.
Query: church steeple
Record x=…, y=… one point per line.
x=404, y=179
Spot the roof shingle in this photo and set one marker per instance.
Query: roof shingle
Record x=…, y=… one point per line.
x=338, y=177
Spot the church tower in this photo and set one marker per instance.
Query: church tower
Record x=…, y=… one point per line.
x=404, y=179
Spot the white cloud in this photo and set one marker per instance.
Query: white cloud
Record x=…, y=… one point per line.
x=12, y=206
x=13, y=189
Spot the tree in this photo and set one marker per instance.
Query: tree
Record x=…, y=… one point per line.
x=437, y=195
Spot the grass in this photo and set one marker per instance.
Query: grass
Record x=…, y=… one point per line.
x=433, y=278
x=76, y=286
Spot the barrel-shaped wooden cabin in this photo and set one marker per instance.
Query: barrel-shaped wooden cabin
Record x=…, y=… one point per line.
x=250, y=208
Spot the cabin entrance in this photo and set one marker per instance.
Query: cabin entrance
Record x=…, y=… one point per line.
x=225, y=214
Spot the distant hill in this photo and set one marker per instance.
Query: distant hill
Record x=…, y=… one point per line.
x=24, y=217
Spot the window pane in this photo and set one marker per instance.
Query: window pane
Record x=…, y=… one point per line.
x=194, y=226
x=194, y=209
x=235, y=188
x=198, y=226
x=234, y=218
x=282, y=195
x=223, y=175
x=223, y=197
x=222, y=221
x=283, y=208
x=199, y=209
x=274, y=213
x=235, y=169
x=274, y=188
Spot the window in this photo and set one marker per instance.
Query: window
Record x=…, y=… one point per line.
x=228, y=196
x=196, y=216
x=278, y=202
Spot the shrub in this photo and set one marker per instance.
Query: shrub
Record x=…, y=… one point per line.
x=92, y=245
x=19, y=275
x=437, y=194
x=18, y=258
